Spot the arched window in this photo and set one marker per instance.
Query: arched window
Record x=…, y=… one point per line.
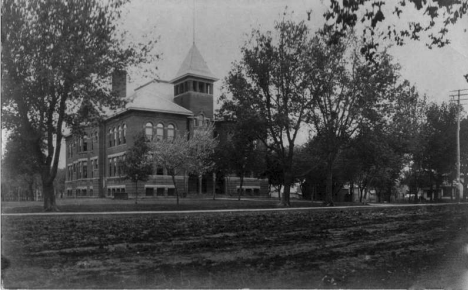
x=110, y=137
x=119, y=140
x=124, y=136
x=85, y=143
x=170, y=132
x=160, y=131
x=149, y=131
x=115, y=136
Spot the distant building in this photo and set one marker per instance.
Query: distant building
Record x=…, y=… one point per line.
x=160, y=109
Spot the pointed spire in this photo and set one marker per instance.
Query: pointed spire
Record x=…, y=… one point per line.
x=194, y=65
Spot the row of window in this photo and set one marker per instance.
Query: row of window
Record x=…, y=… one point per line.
x=111, y=192
x=82, y=144
x=117, y=135
x=79, y=170
x=80, y=192
x=161, y=132
x=116, y=166
x=194, y=86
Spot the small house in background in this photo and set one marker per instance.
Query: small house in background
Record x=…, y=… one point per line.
x=294, y=193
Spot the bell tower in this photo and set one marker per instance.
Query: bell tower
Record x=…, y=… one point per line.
x=193, y=84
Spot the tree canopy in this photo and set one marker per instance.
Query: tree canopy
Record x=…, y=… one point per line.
x=185, y=153
x=437, y=18
x=271, y=86
x=57, y=59
x=137, y=165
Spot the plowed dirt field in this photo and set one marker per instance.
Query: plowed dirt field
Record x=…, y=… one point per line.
x=375, y=247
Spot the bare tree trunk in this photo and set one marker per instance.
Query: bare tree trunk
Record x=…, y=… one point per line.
x=49, y=196
x=31, y=190
x=175, y=187
x=241, y=186
x=285, y=201
x=329, y=191
x=136, y=191
x=214, y=185
x=200, y=180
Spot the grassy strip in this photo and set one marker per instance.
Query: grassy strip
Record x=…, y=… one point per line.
x=166, y=204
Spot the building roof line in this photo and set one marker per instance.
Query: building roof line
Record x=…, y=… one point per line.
x=150, y=82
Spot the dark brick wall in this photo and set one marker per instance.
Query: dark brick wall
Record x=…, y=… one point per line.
x=196, y=102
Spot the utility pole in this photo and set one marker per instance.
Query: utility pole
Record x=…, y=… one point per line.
x=457, y=98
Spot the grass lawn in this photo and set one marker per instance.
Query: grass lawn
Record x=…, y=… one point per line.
x=154, y=204
x=373, y=247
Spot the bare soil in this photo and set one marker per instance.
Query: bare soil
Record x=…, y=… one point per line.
x=375, y=247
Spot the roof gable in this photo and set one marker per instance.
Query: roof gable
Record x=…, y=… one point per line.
x=155, y=96
x=194, y=65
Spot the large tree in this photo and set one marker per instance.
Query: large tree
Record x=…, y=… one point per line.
x=18, y=168
x=240, y=152
x=438, y=150
x=57, y=59
x=348, y=92
x=271, y=83
x=464, y=154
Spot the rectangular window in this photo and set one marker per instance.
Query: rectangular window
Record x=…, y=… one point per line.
x=160, y=191
x=159, y=170
x=110, y=167
x=170, y=191
x=85, y=169
x=149, y=191
x=201, y=87
x=78, y=170
x=85, y=144
x=195, y=86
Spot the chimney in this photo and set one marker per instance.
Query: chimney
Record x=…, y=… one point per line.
x=119, y=83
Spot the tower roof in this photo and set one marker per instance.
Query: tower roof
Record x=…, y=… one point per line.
x=194, y=65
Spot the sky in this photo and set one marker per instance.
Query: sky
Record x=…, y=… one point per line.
x=221, y=27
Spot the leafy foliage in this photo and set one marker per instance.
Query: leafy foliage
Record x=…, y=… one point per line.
x=348, y=94
x=343, y=15
x=185, y=154
x=240, y=151
x=270, y=85
x=57, y=58
x=137, y=165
